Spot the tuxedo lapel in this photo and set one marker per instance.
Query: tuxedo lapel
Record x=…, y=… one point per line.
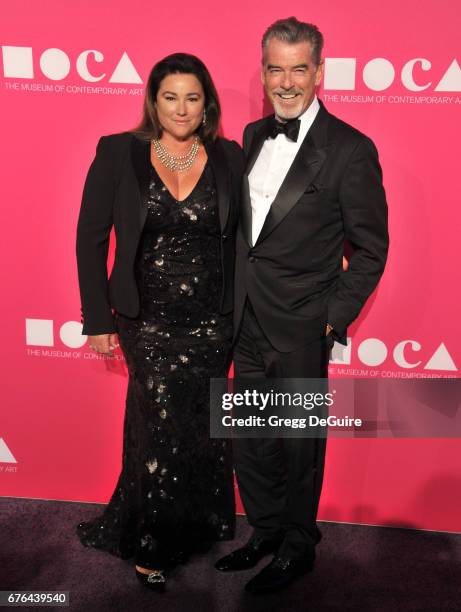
x=140, y=158
x=219, y=165
x=245, y=213
x=305, y=167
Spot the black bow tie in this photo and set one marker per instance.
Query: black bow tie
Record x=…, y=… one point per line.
x=290, y=128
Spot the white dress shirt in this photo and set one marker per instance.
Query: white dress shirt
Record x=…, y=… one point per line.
x=271, y=167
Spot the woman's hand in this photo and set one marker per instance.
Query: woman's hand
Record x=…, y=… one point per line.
x=103, y=343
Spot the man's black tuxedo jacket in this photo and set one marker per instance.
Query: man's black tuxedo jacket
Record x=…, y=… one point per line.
x=115, y=194
x=293, y=275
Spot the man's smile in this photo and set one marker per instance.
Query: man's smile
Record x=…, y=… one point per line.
x=286, y=96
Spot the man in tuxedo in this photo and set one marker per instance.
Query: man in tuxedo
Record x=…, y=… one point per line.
x=313, y=184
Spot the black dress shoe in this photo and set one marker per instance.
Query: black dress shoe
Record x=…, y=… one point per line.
x=279, y=574
x=247, y=556
x=155, y=580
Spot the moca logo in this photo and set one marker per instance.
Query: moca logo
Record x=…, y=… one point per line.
x=40, y=332
x=55, y=64
x=379, y=74
x=373, y=352
x=6, y=456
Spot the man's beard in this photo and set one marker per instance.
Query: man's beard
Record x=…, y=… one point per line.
x=284, y=113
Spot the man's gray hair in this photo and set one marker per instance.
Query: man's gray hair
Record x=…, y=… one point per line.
x=291, y=30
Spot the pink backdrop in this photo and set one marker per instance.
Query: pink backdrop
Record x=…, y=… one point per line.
x=62, y=408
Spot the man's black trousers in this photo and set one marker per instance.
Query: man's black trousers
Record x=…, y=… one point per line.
x=280, y=479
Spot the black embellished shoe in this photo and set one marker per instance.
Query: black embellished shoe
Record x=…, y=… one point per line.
x=155, y=580
x=248, y=556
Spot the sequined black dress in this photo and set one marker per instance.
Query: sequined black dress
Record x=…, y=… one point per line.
x=175, y=491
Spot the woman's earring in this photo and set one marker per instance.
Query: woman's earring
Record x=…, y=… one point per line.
x=204, y=117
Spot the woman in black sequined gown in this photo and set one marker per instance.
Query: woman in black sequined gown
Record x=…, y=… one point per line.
x=175, y=492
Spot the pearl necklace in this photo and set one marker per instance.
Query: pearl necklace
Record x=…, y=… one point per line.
x=179, y=163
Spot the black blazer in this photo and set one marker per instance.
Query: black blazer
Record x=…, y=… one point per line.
x=293, y=275
x=115, y=195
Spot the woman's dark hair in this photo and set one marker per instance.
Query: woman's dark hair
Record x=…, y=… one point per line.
x=179, y=63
